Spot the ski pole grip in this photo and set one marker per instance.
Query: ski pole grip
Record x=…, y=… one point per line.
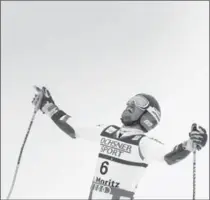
x=40, y=94
x=194, y=128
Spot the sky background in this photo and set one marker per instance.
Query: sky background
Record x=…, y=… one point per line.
x=93, y=56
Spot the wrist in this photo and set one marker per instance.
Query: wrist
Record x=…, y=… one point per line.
x=188, y=145
x=53, y=112
x=50, y=109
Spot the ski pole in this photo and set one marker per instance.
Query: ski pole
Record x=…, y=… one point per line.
x=194, y=172
x=23, y=145
x=194, y=128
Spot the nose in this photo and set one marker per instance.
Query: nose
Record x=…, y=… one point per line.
x=130, y=108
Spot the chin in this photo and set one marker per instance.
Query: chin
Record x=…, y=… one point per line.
x=126, y=122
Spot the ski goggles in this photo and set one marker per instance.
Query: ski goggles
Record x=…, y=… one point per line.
x=139, y=101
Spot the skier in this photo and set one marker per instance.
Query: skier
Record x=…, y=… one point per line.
x=125, y=151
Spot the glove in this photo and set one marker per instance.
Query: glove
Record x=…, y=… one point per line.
x=47, y=104
x=198, y=138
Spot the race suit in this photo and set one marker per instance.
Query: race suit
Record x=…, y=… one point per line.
x=125, y=154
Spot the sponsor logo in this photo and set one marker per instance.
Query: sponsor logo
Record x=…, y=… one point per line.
x=109, y=182
x=104, y=186
x=137, y=137
x=113, y=147
x=148, y=123
x=101, y=188
x=111, y=130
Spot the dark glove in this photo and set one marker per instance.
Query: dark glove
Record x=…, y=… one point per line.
x=47, y=105
x=198, y=136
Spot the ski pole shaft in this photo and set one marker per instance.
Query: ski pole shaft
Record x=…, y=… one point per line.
x=24, y=142
x=20, y=154
x=194, y=174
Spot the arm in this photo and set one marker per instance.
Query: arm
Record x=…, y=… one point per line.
x=153, y=150
x=178, y=153
x=64, y=121
x=197, y=140
x=60, y=119
x=68, y=126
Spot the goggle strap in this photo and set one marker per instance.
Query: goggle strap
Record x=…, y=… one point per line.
x=154, y=113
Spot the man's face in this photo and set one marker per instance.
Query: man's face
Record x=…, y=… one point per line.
x=130, y=114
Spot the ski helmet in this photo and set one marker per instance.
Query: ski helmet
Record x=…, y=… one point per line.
x=151, y=112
